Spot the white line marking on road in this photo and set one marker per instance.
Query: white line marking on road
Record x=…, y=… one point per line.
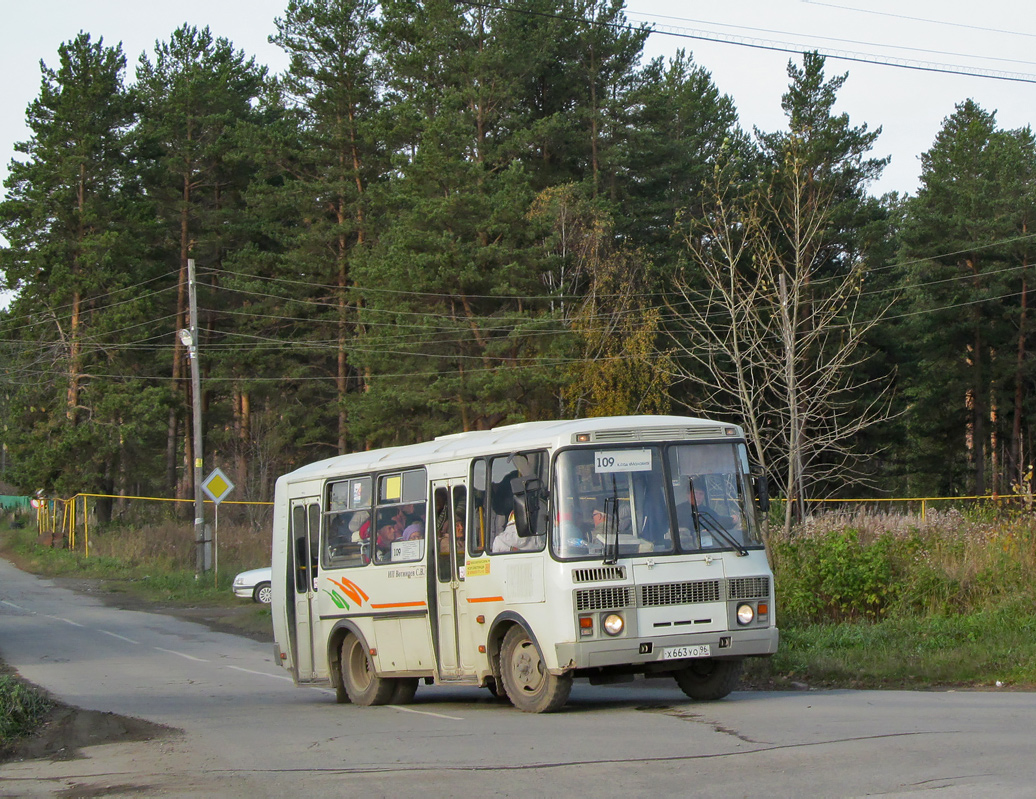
x=67, y=621
x=11, y=604
x=181, y=654
x=120, y=637
x=425, y=712
x=261, y=673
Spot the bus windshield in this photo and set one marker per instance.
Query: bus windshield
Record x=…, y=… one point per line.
x=661, y=500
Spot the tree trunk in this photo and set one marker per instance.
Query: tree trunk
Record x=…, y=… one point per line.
x=1017, y=467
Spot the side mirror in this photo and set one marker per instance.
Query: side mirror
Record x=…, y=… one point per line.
x=762, y=492
x=530, y=506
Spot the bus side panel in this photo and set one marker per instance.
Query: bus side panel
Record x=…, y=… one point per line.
x=388, y=604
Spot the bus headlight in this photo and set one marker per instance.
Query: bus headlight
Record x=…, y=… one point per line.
x=745, y=614
x=613, y=624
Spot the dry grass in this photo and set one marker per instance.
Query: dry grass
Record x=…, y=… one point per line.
x=165, y=541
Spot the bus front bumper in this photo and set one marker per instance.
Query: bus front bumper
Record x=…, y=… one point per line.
x=655, y=653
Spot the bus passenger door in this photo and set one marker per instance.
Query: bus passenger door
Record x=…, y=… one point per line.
x=454, y=645
x=305, y=526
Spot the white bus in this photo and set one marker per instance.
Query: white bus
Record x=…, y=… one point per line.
x=522, y=557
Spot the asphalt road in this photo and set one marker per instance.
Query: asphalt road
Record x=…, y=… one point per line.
x=244, y=730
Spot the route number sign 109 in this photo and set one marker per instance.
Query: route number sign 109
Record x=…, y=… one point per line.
x=622, y=460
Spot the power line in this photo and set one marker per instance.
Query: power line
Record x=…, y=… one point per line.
x=964, y=25
x=784, y=47
x=838, y=39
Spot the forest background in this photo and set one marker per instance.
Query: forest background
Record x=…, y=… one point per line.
x=450, y=216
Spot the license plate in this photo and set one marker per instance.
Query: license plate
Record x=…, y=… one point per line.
x=677, y=652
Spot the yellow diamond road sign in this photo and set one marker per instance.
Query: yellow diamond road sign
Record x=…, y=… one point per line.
x=217, y=485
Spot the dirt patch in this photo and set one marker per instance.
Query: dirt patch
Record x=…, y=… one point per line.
x=66, y=730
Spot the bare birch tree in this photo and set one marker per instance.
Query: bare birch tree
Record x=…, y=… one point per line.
x=759, y=329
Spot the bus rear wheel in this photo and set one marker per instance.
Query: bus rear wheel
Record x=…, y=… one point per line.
x=530, y=687
x=361, y=682
x=709, y=679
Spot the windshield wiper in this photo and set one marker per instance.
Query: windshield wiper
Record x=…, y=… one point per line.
x=611, y=530
x=714, y=527
x=709, y=522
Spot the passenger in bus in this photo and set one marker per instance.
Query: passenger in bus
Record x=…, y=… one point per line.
x=390, y=529
x=508, y=539
x=414, y=528
x=458, y=531
x=387, y=533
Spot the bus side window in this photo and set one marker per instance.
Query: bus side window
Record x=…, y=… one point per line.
x=347, y=542
x=298, y=531
x=442, y=531
x=478, y=524
x=501, y=497
x=346, y=535
x=314, y=545
x=460, y=505
x=503, y=471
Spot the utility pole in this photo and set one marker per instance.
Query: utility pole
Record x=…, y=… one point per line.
x=190, y=339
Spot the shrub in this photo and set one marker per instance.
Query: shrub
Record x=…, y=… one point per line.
x=21, y=709
x=834, y=577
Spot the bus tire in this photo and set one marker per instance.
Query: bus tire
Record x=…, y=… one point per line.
x=708, y=679
x=530, y=687
x=403, y=691
x=361, y=682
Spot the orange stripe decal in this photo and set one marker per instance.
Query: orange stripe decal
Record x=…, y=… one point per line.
x=474, y=599
x=399, y=605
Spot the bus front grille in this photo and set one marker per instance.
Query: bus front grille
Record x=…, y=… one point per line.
x=748, y=587
x=680, y=593
x=598, y=574
x=620, y=596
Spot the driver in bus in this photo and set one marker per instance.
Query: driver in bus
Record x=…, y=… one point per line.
x=699, y=500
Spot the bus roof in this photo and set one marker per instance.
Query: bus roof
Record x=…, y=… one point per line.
x=519, y=437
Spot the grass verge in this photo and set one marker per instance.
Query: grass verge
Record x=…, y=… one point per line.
x=22, y=709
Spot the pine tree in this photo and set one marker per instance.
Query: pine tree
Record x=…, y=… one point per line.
x=83, y=401
x=333, y=93
x=964, y=281
x=196, y=98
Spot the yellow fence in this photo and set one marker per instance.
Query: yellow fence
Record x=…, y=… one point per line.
x=60, y=520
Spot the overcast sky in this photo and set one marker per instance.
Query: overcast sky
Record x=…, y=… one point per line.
x=994, y=37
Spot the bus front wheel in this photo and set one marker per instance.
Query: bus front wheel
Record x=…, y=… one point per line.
x=530, y=687
x=709, y=679
x=361, y=682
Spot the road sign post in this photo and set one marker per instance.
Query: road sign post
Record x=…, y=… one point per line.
x=216, y=486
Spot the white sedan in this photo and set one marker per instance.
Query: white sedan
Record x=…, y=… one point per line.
x=254, y=584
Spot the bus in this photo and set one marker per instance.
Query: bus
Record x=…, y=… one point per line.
x=521, y=558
